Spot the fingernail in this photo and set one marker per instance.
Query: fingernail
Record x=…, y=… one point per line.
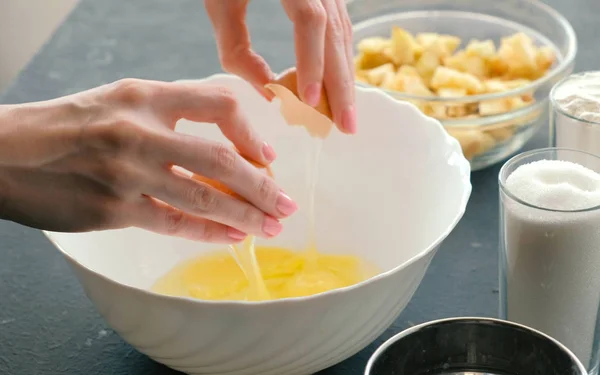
x=268, y=152
x=349, y=120
x=266, y=93
x=235, y=234
x=285, y=205
x=271, y=227
x=312, y=94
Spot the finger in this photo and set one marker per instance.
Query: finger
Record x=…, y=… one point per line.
x=205, y=201
x=233, y=42
x=207, y=103
x=159, y=217
x=220, y=162
x=339, y=81
x=309, y=20
x=348, y=34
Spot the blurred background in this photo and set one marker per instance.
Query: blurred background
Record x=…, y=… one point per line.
x=25, y=25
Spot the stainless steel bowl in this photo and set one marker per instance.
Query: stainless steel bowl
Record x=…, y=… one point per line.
x=473, y=346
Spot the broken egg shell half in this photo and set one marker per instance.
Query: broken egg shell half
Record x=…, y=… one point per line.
x=317, y=121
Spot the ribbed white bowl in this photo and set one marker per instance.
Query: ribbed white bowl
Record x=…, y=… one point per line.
x=391, y=194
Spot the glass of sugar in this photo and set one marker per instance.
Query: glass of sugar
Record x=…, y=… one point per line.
x=575, y=112
x=550, y=247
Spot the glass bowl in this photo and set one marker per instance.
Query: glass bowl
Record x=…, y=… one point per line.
x=485, y=139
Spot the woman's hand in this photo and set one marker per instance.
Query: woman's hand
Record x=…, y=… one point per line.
x=102, y=159
x=323, y=40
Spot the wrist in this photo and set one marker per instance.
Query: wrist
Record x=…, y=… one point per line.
x=4, y=190
x=34, y=134
x=4, y=196
x=4, y=193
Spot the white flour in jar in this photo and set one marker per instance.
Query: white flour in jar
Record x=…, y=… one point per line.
x=577, y=112
x=553, y=258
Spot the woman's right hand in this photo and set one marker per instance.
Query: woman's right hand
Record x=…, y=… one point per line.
x=102, y=159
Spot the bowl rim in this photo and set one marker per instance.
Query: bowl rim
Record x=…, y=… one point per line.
x=454, y=155
x=409, y=331
x=564, y=64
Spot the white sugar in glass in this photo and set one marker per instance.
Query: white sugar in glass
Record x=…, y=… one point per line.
x=550, y=246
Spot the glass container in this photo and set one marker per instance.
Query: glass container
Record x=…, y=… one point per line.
x=550, y=259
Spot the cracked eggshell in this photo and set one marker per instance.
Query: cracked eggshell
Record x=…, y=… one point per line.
x=317, y=121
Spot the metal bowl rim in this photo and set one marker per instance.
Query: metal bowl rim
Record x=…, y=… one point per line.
x=409, y=331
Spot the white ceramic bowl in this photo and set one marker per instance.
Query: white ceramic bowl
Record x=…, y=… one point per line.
x=391, y=194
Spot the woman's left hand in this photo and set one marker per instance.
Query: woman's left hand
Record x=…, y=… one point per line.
x=323, y=41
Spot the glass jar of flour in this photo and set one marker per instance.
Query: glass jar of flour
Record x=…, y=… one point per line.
x=550, y=247
x=575, y=112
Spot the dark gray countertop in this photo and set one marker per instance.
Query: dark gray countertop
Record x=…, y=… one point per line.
x=49, y=327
